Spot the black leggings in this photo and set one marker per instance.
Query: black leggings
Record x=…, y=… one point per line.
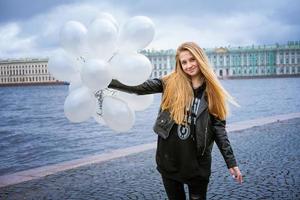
x=175, y=189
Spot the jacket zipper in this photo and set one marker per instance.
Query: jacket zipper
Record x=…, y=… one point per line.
x=205, y=135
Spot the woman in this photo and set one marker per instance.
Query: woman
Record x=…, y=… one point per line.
x=191, y=117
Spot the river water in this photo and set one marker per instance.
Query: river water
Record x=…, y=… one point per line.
x=34, y=131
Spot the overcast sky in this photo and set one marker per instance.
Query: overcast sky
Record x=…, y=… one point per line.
x=29, y=28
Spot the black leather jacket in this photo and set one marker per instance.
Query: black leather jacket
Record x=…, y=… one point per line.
x=208, y=127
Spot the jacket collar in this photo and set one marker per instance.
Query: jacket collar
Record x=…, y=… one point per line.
x=203, y=105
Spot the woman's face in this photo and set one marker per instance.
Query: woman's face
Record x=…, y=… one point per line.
x=189, y=63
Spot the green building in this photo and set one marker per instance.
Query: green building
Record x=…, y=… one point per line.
x=237, y=62
x=228, y=62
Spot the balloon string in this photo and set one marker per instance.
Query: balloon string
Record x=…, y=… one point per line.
x=115, y=53
x=81, y=58
x=99, y=97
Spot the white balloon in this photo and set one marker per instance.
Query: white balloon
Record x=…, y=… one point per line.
x=73, y=37
x=117, y=114
x=102, y=37
x=79, y=105
x=75, y=83
x=108, y=16
x=63, y=66
x=98, y=119
x=95, y=74
x=136, y=102
x=136, y=33
x=98, y=114
x=130, y=68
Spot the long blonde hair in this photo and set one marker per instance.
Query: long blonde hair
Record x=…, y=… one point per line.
x=178, y=93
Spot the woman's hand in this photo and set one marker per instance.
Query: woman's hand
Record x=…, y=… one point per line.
x=236, y=174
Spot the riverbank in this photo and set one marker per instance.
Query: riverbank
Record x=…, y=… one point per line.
x=221, y=78
x=33, y=84
x=39, y=172
x=263, y=153
x=262, y=76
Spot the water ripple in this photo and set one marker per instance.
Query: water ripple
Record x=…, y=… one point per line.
x=34, y=131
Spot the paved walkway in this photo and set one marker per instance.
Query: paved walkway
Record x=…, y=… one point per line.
x=268, y=156
x=39, y=172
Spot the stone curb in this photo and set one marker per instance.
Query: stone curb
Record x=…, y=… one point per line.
x=35, y=173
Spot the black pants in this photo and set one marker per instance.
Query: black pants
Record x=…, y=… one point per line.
x=175, y=189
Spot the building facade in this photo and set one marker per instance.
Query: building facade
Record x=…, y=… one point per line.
x=252, y=61
x=227, y=62
x=25, y=71
x=239, y=62
x=163, y=61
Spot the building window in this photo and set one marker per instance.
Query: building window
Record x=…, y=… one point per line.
x=281, y=70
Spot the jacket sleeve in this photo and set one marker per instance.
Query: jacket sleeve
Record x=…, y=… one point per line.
x=150, y=86
x=222, y=141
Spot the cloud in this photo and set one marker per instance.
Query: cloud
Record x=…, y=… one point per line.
x=238, y=29
x=12, y=41
x=209, y=23
x=39, y=35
